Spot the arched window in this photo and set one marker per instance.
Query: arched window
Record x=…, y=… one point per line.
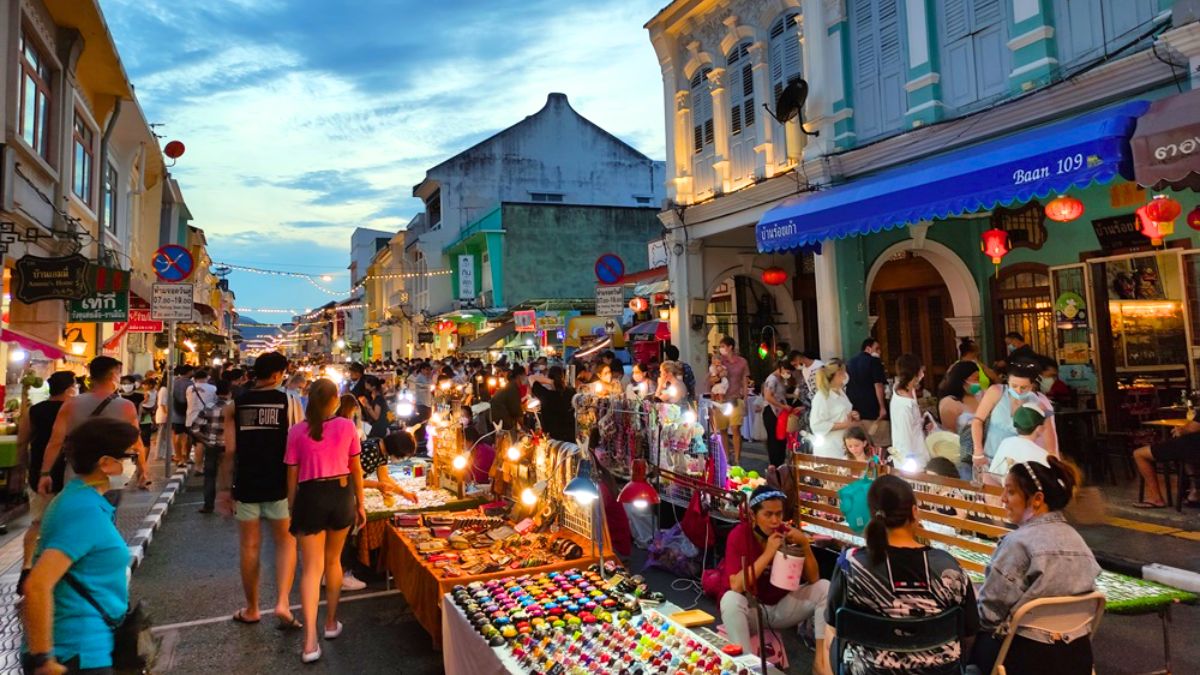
x=744, y=135
x=786, y=67
x=702, y=132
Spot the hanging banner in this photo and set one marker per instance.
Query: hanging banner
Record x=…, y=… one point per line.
x=466, y=277
x=36, y=278
x=100, y=308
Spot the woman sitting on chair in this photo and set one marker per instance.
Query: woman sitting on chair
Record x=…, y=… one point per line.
x=1044, y=557
x=898, y=577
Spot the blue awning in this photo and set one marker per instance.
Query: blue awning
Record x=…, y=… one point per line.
x=1016, y=168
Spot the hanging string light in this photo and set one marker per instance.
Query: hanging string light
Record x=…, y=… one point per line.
x=310, y=278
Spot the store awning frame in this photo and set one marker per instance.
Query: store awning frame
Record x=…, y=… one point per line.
x=1076, y=152
x=489, y=339
x=32, y=344
x=1166, y=144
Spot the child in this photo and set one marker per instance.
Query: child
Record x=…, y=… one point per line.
x=858, y=445
x=1028, y=422
x=718, y=379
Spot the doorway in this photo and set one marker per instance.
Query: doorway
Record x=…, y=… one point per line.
x=911, y=303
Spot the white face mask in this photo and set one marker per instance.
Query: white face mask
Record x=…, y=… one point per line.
x=1046, y=384
x=127, y=388
x=119, y=481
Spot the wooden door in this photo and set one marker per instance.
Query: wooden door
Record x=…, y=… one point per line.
x=914, y=321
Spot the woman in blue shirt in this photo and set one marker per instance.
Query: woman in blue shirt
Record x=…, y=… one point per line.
x=63, y=631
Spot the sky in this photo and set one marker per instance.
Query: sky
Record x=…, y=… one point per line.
x=304, y=119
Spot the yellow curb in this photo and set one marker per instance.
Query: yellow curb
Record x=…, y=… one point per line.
x=1190, y=536
x=1142, y=526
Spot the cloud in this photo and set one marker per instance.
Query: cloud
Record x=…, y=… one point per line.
x=306, y=118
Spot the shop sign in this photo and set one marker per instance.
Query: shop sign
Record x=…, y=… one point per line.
x=610, y=300
x=425, y=337
x=1070, y=311
x=1125, y=195
x=466, y=277
x=1074, y=352
x=1119, y=233
x=172, y=302
x=36, y=278
x=100, y=308
x=141, y=322
x=467, y=329
x=525, y=321
x=550, y=320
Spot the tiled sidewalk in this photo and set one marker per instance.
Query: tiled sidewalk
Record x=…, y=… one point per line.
x=138, y=516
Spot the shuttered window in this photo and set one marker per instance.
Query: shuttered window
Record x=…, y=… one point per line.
x=702, y=111
x=975, y=59
x=786, y=67
x=876, y=67
x=1087, y=30
x=740, y=72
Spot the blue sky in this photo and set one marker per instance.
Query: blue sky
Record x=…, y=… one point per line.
x=304, y=119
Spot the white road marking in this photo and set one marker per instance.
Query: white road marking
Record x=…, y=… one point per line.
x=265, y=612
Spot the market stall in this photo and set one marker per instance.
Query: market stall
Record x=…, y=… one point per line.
x=381, y=508
x=575, y=620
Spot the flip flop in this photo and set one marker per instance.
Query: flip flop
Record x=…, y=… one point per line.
x=287, y=623
x=1148, y=505
x=239, y=617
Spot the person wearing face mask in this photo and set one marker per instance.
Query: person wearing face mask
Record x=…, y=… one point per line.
x=958, y=399
x=1055, y=389
x=1044, y=557
x=775, y=394
x=737, y=371
x=908, y=425
x=868, y=378
x=101, y=400
x=80, y=582
x=993, y=420
x=831, y=414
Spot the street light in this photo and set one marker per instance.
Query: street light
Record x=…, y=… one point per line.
x=78, y=343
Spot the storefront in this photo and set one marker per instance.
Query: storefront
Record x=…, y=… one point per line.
x=1069, y=263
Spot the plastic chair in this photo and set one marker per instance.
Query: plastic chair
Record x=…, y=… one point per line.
x=898, y=635
x=1063, y=614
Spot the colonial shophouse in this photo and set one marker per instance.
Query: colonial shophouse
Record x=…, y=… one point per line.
x=939, y=123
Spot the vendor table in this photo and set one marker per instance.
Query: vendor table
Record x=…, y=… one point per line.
x=423, y=586
x=371, y=537
x=1169, y=423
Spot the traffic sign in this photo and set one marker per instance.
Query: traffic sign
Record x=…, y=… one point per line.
x=173, y=263
x=171, y=302
x=610, y=300
x=609, y=268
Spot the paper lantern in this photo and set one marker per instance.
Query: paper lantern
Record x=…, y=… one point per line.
x=1064, y=209
x=774, y=276
x=1163, y=209
x=639, y=304
x=1154, y=230
x=1193, y=220
x=995, y=245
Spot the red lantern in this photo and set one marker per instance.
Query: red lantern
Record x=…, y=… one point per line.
x=774, y=276
x=1064, y=209
x=1193, y=219
x=174, y=149
x=1163, y=209
x=639, y=304
x=1154, y=230
x=995, y=246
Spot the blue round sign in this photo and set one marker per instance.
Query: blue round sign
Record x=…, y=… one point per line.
x=609, y=268
x=173, y=263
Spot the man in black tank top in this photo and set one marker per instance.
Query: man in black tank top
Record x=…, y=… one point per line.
x=253, y=482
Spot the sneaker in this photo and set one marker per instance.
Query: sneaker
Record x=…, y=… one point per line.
x=352, y=583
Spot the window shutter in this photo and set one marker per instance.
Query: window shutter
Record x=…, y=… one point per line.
x=987, y=13
x=958, y=23
x=748, y=94
x=701, y=110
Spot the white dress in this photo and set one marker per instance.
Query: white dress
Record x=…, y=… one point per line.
x=908, y=432
x=827, y=410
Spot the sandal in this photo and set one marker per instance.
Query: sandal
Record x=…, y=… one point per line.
x=333, y=634
x=1148, y=505
x=310, y=657
x=240, y=617
x=289, y=623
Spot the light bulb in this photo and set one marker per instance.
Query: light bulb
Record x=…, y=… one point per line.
x=491, y=382
x=584, y=498
x=444, y=385
x=599, y=387
x=459, y=463
x=640, y=504
x=641, y=388
x=503, y=382
x=435, y=420
x=341, y=344
x=909, y=465
x=405, y=408
x=513, y=453
x=528, y=497
x=818, y=440
x=479, y=378
x=727, y=409
x=17, y=355
x=533, y=404
x=672, y=391
x=689, y=416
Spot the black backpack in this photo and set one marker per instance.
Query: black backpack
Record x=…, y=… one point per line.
x=179, y=405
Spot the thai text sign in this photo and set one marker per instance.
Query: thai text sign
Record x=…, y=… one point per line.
x=101, y=308
x=171, y=302
x=141, y=322
x=36, y=278
x=610, y=300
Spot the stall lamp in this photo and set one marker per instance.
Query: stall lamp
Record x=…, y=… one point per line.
x=218, y=361
x=340, y=344
x=479, y=378
x=598, y=387
x=642, y=387
x=582, y=488
x=17, y=355
x=531, y=495
x=435, y=420
x=689, y=416
x=405, y=408
x=503, y=382
x=459, y=462
x=334, y=376
x=664, y=313
x=727, y=408
x=444, y=385
x=637, y=491
x=491, y=382
x=513, y=453
x=672, y=391
x=909, y=465
x=533, y=404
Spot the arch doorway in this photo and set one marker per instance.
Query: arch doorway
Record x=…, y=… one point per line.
x=740, y=306
x=911, y=302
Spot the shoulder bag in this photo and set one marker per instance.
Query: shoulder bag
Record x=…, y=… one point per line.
x=852, y=499
x=133, y=643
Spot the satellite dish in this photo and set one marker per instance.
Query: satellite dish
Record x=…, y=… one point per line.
x=790, y=104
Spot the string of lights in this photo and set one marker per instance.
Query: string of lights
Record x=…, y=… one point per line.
x=403, y=275
x=310, y=278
